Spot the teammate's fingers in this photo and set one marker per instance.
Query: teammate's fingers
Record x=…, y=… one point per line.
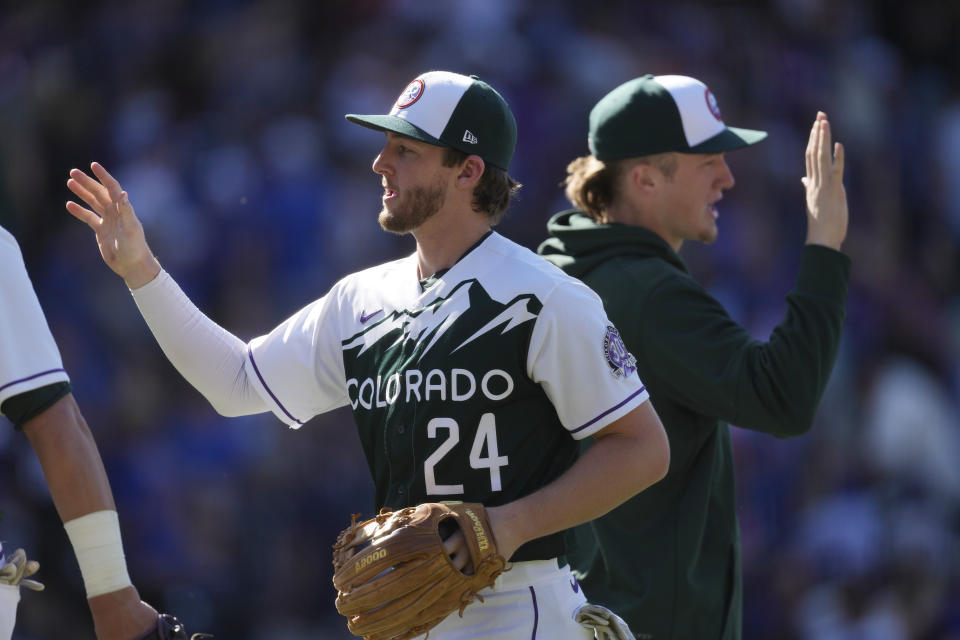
x=818, y=160
x=31, y=568
x=113, y=187
x=825, y=147
x=819, y=167
x=33, y=585
x=838, y=158
x=124, y=207
x=84, y=215
x=92, y=187
x=84, y=194
x=811, y=147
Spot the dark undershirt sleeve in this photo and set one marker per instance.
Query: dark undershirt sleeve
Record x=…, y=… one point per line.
x=22, y=407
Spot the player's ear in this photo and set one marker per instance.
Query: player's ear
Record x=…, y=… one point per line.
x=470, y=172
x=643, y=177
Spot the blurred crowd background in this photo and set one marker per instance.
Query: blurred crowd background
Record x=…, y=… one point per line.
x=223, y=119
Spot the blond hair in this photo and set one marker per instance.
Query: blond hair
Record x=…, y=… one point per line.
x=593, y=185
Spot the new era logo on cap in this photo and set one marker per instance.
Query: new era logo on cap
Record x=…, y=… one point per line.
x=451, y=110
x=657, y=114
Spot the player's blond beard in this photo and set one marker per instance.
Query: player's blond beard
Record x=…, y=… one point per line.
x=418, y=205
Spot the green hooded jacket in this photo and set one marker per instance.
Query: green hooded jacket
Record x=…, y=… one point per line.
x=668, y=560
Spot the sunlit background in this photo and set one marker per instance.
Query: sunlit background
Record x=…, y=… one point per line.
x=224, y=121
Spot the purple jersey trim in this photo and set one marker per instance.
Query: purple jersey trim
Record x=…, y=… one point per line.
x=536, y=614
x=610, y=410
x=37, y=375
x=256, y=370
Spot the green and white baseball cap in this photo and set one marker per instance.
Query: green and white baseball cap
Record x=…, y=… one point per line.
x=451, y=110
x=657, y=114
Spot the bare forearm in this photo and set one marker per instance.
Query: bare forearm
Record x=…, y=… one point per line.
x=79, y=486
x=70, y=460
x=617, y=467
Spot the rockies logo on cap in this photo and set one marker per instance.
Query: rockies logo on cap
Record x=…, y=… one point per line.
x=451, y=110
x=712, y=104
x=411, y=94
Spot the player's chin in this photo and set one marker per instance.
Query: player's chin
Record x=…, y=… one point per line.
x=393, y=223
x=709, y=234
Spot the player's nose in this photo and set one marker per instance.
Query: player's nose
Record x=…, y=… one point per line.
x=380, y=165
x=725, y=179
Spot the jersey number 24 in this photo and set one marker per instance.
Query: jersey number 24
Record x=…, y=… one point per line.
x=486, y=438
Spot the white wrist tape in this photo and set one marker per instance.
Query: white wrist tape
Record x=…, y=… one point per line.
x=96, y=542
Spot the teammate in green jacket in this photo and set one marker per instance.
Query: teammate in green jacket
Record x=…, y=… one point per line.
x=668, y=560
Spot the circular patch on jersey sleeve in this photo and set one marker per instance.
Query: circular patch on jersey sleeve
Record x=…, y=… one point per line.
x=712, y=104
x=411, y=94
x=621, y=362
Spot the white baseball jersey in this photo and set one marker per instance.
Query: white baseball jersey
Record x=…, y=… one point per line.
x=475, y=389
x=9, y=597
x=29, y=358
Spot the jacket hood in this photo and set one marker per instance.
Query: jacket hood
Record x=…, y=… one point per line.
x=577, y=244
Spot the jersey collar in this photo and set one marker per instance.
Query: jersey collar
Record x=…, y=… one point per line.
x=429, y=281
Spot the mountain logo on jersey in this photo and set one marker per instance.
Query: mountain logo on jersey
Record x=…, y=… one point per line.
x=621, y=362
x=451, y=349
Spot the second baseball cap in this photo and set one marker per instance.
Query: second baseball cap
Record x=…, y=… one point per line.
x=657, y=114
x=451, y=110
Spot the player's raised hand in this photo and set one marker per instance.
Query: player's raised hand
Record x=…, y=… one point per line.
x=826, y=196
x=119, y=233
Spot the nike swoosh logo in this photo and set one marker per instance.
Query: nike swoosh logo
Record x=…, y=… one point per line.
x=364, y=316
x=575, y=585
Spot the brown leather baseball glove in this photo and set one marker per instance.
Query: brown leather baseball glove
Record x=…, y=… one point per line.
x=393, y=577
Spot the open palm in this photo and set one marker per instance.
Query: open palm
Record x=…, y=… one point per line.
x=826, y=197
x=119, y=233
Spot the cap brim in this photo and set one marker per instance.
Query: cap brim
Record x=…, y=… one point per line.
x=394, y=124
x=729, y=139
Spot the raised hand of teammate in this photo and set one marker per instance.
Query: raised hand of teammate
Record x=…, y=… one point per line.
x=120, y=236
x=826, y=196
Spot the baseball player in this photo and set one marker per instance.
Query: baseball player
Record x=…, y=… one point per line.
x=653, y=181
x=35, y=395
x=472, y=366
